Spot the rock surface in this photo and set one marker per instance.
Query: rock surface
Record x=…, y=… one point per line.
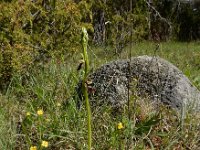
x=155, y=77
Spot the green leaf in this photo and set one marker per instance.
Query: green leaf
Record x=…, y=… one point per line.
x=144, y=127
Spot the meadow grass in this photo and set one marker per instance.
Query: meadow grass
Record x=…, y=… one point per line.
x=41, y=105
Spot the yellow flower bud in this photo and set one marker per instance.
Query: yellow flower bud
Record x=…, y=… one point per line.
x=120, y=126
x=28, y=114
x=33, y=148
x=45, y=144
x=40, y=112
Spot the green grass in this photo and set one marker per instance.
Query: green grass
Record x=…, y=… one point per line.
x=50, y=87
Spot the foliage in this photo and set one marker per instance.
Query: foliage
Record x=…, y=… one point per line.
x=31, y=31
x=178, y=19
x=120, y=22
x=189, y=21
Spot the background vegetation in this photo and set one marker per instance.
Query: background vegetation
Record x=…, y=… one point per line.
x=32, y=31
x=40, y=43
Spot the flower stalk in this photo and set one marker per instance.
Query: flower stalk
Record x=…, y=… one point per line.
x=84, y=85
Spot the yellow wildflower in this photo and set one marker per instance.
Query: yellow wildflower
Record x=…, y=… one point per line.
x=40, y=112
x=45, y=144
x=48, y=120
x=120, y=126
x=33, y=148
x=58, y=104
x=28, y=114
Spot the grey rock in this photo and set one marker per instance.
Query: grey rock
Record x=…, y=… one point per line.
x=155, y=77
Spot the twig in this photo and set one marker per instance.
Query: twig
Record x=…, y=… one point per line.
x=158, y=14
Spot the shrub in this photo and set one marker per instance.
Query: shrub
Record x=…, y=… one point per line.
x=34, y=30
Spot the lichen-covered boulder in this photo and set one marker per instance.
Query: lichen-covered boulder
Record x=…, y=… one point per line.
x=155, y=78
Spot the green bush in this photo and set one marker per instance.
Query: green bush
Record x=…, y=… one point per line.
x=30, y=31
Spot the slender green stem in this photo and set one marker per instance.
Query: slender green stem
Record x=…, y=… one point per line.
x=84, y=86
